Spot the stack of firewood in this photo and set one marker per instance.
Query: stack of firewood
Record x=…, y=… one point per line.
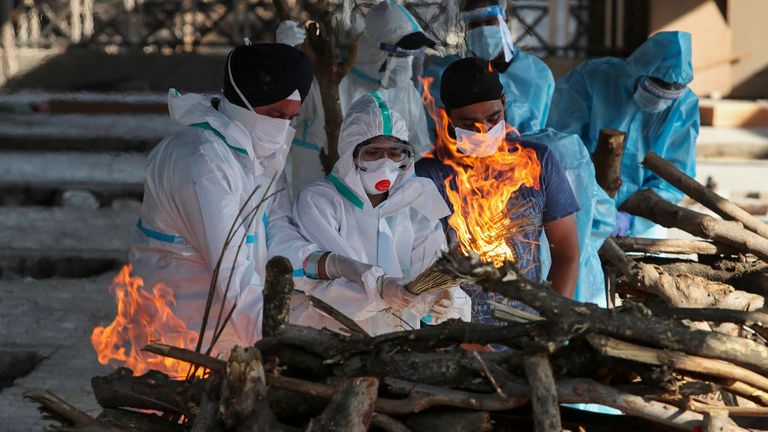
x=655, y=364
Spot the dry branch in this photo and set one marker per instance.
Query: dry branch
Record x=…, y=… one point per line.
x=58, y=409
x=546, y=410
x=278, y=286
x=649, y=205
x=350, y=409
x=646, y=245
x=723, y=207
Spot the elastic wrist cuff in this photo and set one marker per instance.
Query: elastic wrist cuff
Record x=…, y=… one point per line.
x=311, y=263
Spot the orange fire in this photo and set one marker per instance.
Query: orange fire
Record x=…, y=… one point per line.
x=484, y=188
x=142, y=318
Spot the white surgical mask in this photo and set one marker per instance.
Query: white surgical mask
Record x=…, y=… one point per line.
x=650, y=102
x=268, y=134
x=478, y=143
x=378, y=176
x=485, y=42
x=397, y=72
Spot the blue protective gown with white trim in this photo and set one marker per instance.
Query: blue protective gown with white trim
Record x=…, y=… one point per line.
x=598, y=94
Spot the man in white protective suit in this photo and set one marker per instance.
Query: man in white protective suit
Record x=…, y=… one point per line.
x=198, y=179
x=384, y=64
x=374, y=214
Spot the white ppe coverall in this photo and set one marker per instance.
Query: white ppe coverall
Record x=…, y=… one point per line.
x=303, y=166
x=196, y=182
x=387, y=22
x=402, y=236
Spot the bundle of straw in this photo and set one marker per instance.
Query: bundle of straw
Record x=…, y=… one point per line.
x=431, y=280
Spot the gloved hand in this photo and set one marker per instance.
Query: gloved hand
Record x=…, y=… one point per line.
x=337, y=266
x=290, y=33
x=442, y=307
x=394, y=293
x=623, y=223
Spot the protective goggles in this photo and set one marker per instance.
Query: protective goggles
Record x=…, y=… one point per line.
x=399, y=52
x=661, y=88
x=483, y=14
x=400, y=153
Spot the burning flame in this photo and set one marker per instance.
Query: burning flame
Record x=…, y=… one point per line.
x=142, y=318
x=483, y=194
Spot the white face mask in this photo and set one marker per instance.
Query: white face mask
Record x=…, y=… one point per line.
x=397, y=72
x=478, y=143
x=268, y=134
x=378, y=176
x=650, y=102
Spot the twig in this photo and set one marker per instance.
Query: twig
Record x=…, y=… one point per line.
x=490, y=377
x=337, y=315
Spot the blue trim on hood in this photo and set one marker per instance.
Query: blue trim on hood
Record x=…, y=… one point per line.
x=345, y=191
x=207, y=126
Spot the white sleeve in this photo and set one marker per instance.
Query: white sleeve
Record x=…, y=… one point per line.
x=208, y=205
x=428, y=245
x=283, y=237
x=319, y=219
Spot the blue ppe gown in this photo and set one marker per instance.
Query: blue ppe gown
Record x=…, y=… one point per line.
x=599, y=94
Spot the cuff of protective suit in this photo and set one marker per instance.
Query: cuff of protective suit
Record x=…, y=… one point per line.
x=312, y=264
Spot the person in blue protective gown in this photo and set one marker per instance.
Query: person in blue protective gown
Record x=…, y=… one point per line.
x=646, y=96
x=527, y=80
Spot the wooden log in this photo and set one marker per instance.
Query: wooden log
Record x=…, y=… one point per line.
x=620, y=349
x=188, y=356
x=546, y=410
x=58, y=409
x=689, y=291
x=278, y=286
x=7, y=40
x=631, y=325
x=705, y=196
x=136, y=421
x=244, y=400
x=151, y=391
x=751, y=278
x=607, y=159
x=207, y=418
x=714, y=315
x=350, y=409
x=649, y=205
x=387, y=423
x=746, y=391
x=450, y=420
x=671, y=246
x=334, y=313
x=734, y=411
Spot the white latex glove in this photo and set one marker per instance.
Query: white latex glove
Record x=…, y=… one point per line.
x=337, y=266
x=442, y=308
x=290, y=33
x=394, y=293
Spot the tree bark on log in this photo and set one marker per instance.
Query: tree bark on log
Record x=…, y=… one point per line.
x=689, y=291
x=151, y=391
x=649, y=205
x=278, y=286
x=546, y=410
x=244, y=402
x=207, y=418
x=388, y=424
x=630, y=325
x=620, y=349
x=450, y=420
x=749, y=278
x=607, y=159
x=350, y=409
x=137, y=421
x=708, y=198
x=58, y=409
x=655, y=246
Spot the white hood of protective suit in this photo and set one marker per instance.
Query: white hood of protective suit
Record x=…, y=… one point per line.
x=369, y=117
x=401, y=237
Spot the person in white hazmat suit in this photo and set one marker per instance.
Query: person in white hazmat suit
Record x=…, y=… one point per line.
x=384, y=64
x=373, y=209
x=303, y=165
x=199, y=178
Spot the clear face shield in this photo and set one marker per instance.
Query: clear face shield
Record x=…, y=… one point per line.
x=397, y=68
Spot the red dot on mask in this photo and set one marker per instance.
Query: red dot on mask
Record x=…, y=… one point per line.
x=383, y=185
